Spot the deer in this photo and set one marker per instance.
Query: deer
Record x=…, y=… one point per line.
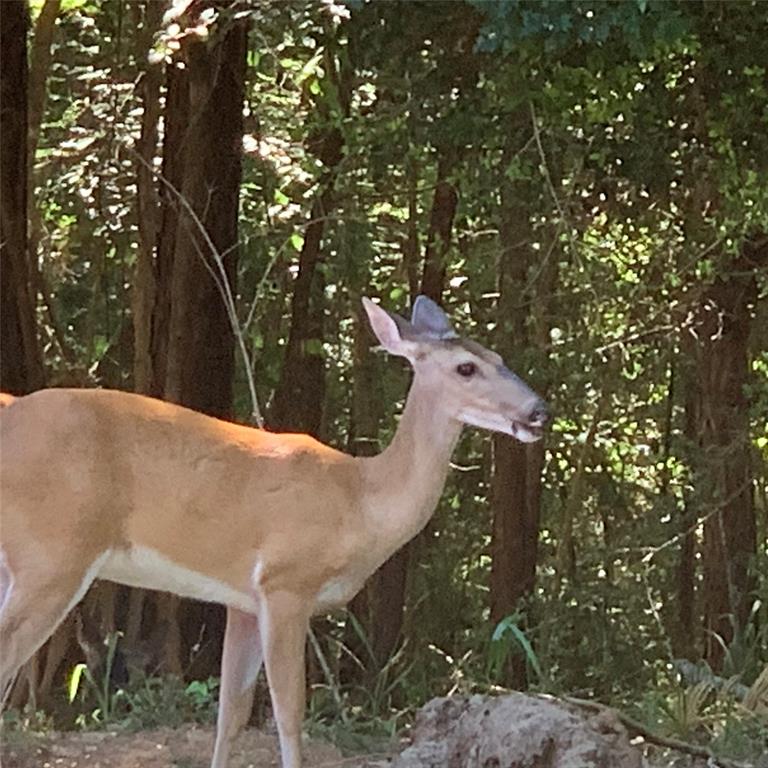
x=102, y=484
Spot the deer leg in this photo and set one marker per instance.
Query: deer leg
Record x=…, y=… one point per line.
x=240, y=665
x=283, y=621
x=33, y=602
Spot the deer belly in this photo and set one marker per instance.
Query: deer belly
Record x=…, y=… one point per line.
x=337, y=591
x=146, y=568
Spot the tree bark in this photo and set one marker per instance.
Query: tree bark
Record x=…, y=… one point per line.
x=176, y=119
x=514, y=533
x=300, y=393
x=143, y=295
x=201, y=338
x=192, y=339
x=21, y=365
x=724, y=491
x=440, y=230
x=40, y=66
x=516, y=477
x=390, y=582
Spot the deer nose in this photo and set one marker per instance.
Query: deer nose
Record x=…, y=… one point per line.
x=539, y=414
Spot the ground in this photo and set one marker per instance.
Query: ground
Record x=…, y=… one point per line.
x=188, y=747
x=510, y=731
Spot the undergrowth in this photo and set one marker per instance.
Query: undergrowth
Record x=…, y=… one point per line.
x=727, y=715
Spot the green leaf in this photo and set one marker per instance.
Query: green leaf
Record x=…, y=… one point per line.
x=525, y=644
x=509, y=625
x=311, y=68
x=297, y=241
x=73, y=684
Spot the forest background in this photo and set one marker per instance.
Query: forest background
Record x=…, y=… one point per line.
x=196, y=197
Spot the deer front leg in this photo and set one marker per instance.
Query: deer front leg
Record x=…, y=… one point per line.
x=283, y=621
x=240, y=665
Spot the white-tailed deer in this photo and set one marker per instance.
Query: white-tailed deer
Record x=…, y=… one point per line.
x=277, y=527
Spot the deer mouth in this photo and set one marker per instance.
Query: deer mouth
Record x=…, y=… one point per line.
x=526, y=432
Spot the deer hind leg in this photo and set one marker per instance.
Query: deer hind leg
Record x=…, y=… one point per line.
x=35, y=596
x=240, y=665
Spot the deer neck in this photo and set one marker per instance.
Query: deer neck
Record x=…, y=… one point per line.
x=402, y=485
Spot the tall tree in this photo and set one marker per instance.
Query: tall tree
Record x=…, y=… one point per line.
x=200, y=366
x=21, y=367
x=516, y=479
x=391, y=581
x=147, y=18
x=300, y=392
x=192, y=347
x=724, y=472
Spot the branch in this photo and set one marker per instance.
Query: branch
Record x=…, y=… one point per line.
x=220, y=280
x=635, y=726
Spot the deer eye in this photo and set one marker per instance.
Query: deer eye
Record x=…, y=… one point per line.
x=466, y=369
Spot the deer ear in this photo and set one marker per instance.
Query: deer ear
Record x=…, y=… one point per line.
x=391, y=331
x=429, y=320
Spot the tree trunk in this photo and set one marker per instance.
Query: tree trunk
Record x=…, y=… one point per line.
x=40, y=66
x=392, y=578
x=21, y=365
x=516, y=478
x=201, y=338
x=144, y=284
x=441, y=219
x=300, y=393
x=365, y=418
x=514, y=532
x=192, y=344
x=176, y=119
x=723, y=476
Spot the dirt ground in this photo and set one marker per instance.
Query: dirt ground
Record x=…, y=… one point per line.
x=510, y=731
x=188, y=747
x=191, y=747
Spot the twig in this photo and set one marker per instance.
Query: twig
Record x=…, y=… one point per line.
x=651, y=552
x=356, y=759
x=221, y=281
x=544, y=165
x=655, y=738
x=327, y=673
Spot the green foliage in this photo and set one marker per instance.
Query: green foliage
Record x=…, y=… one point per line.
x=30, y=720
x=629, y=138
x=107, y=700
x=563, y=27
x=152, y=702
x=146, y=702
x=507, y=637
x=710, y=716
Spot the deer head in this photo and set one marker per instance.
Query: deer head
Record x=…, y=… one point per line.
x=470, y=383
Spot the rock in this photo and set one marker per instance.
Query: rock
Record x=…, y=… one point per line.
x=515, y=731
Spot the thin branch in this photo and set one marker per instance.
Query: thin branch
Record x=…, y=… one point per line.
x=655, y=738
x=544, y=165
x=651, y=552
x=221, y=281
